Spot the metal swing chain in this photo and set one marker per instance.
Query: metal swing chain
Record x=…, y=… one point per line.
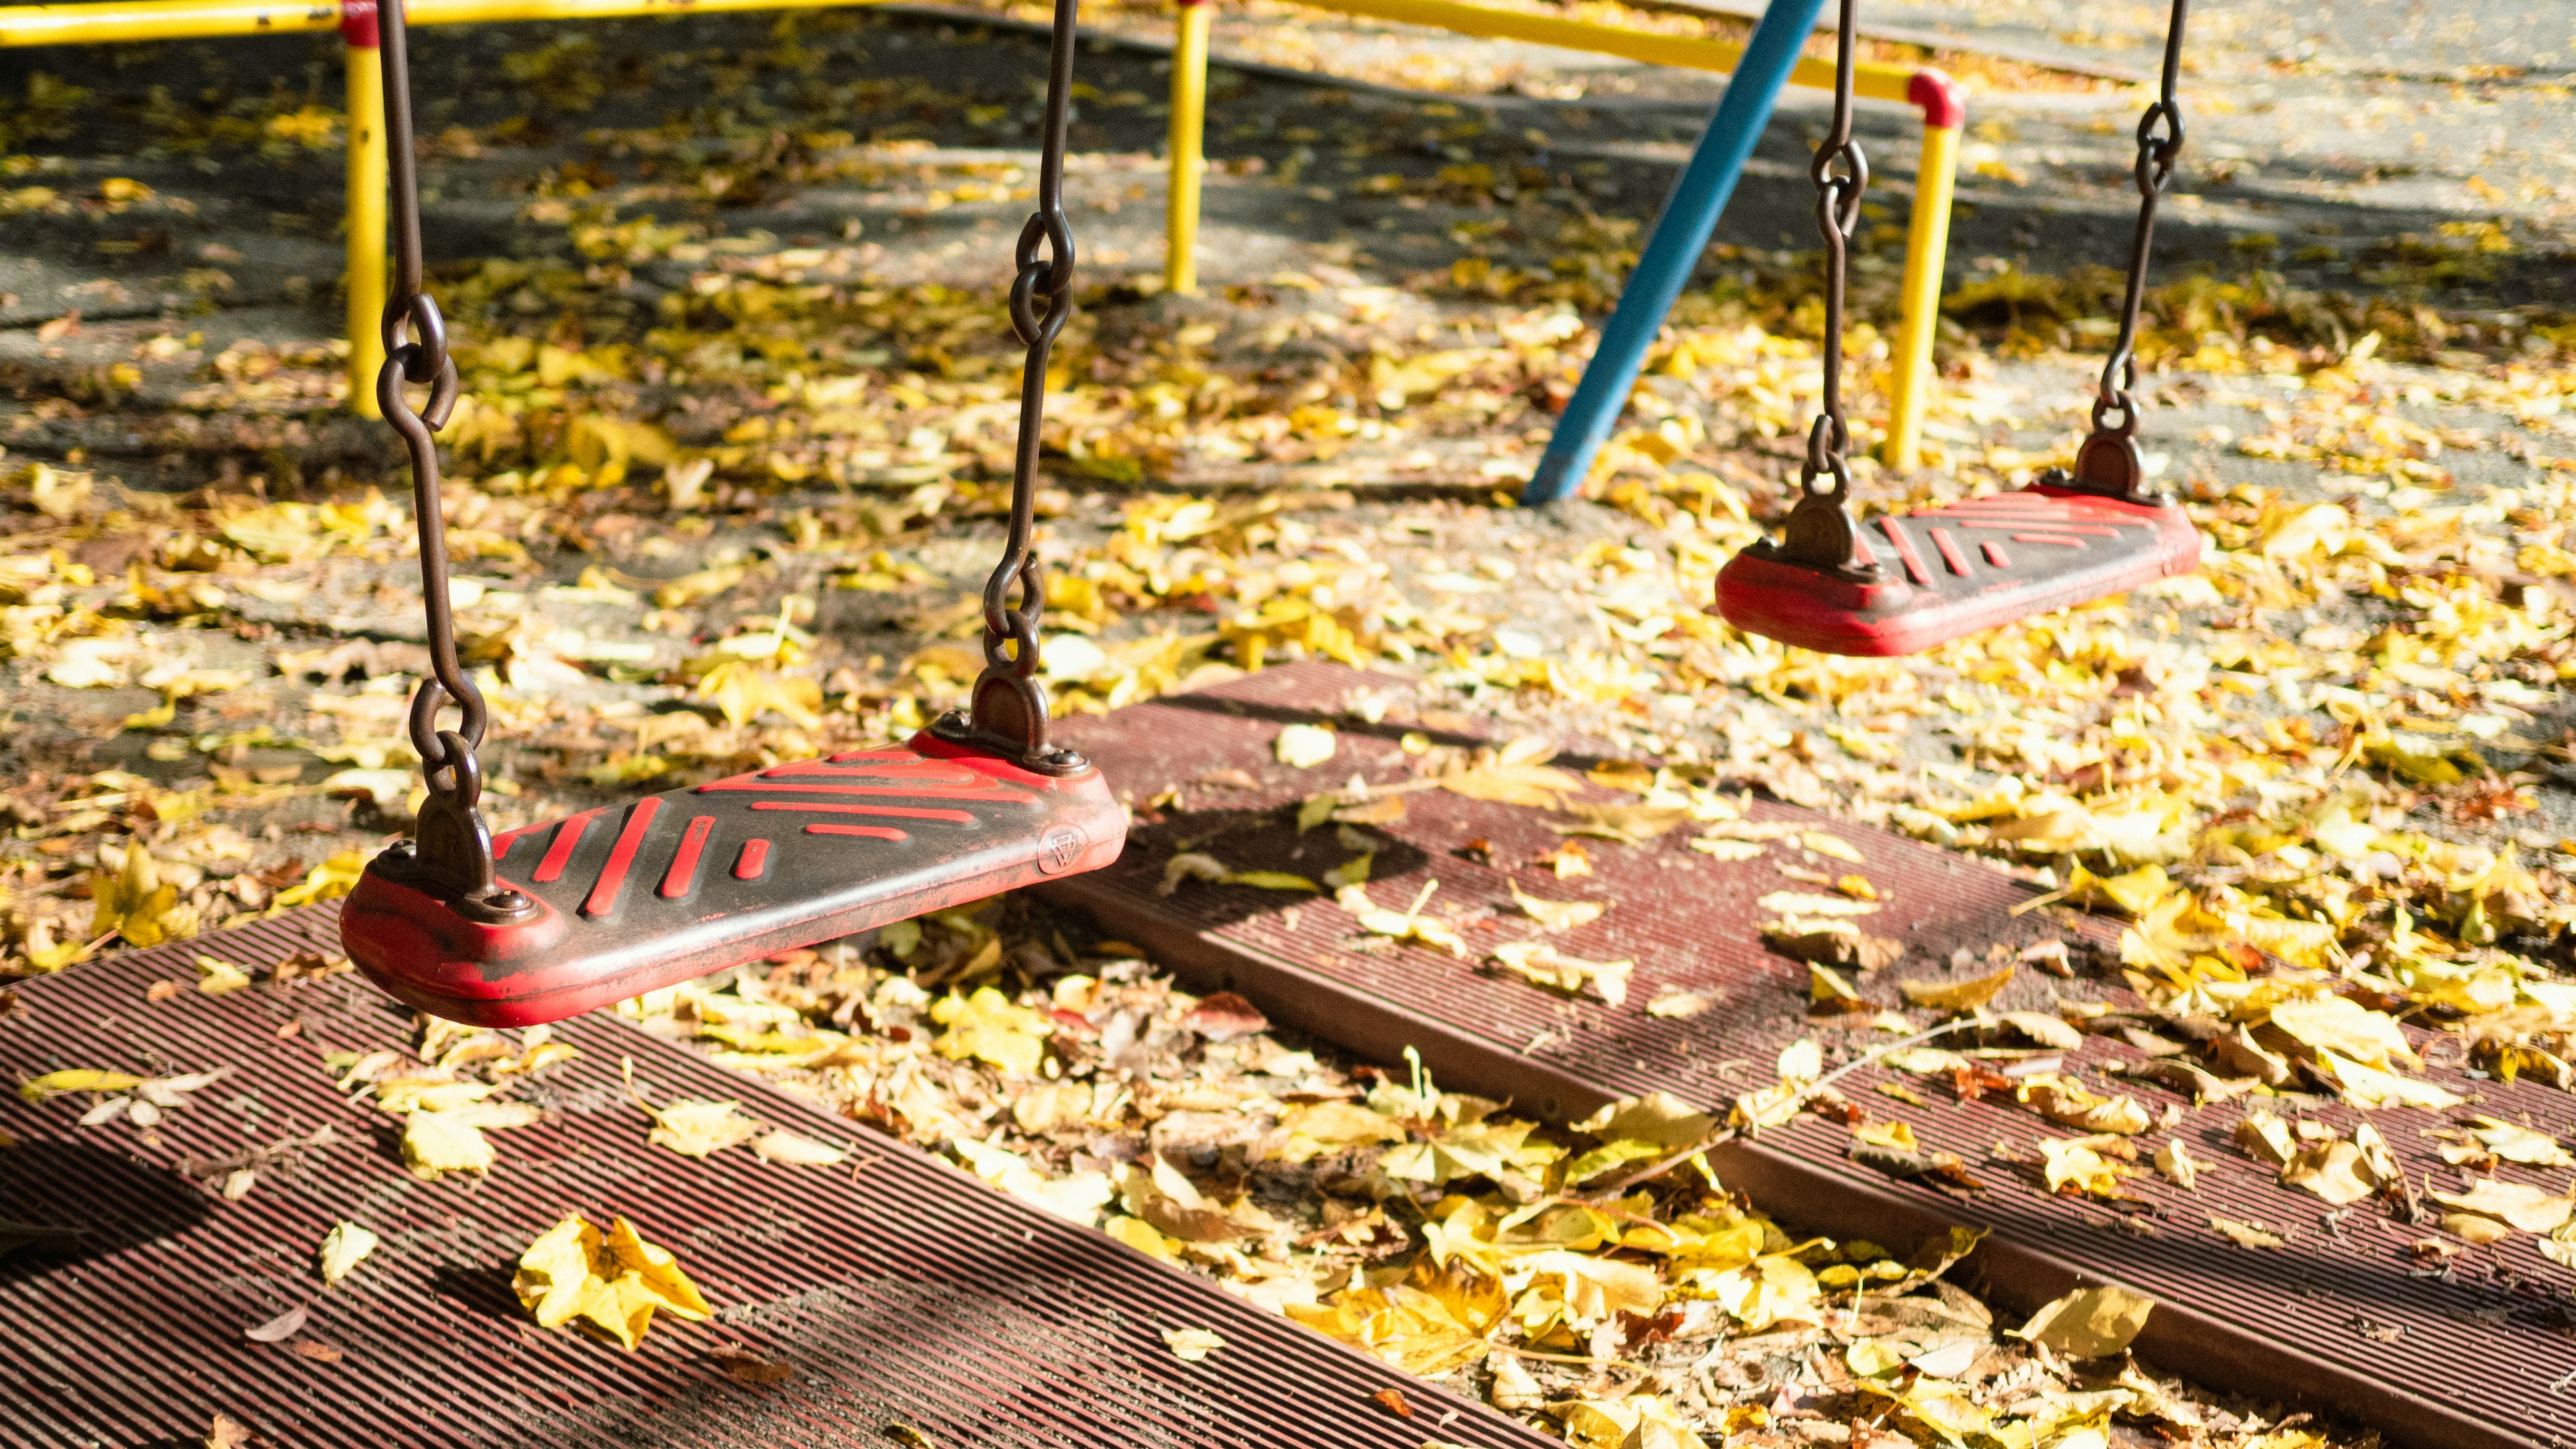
x=1838, y=194
x=1820, y=530
x=1010, y=706
x=2109, y=461
x=451, y=845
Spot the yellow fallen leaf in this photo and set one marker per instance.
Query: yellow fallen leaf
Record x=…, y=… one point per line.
x=989, y=1028
x=2479, y=1230
x=1956, y=995
x=693, y=1127
x=1827, y=989
x=1898, y=1135
x=2332, y=1170
x=1304, y=746
x=1676, y=1003
x=1272, y=880
x=2077, y=1164
x=435, y=1143
x=1627, y=824
x=1658, y=1119
x=333, y=878
x=2519, y=1144
x=1190, y=865
x=2516, y=1204
x=1634, y=776
x=1317, y=1128
x=1543, y=964
x=1832, y=845
x=343, y=1248
x=1192, y=1345
x=699, y=587
x=78, y=1079
x=2047, y=1030
x=1556, y=915
x=797, y=1150
x=1143, y=1237
x=136, y=903
x=2266, y=1138
x=1405, y=925
x=2064, y=1099
x=2344, y=1026
x=2368, y=1087
x=609, y=1283
x=2132, y=892
x=2089, y=1322
x=744, y=691
x=2177, y=1164
x=1164, y=1197
x=1514, y=784
x=214, y=977
x=1802, y=1060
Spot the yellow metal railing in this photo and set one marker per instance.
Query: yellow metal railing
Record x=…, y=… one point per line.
x=1938, y=97
x=1933, y=93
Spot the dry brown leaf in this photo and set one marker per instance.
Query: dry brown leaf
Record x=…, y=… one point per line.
x=2247, y=1235
x=2332, y=1170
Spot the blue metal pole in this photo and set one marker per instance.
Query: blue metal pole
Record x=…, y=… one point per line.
x=1680, y=236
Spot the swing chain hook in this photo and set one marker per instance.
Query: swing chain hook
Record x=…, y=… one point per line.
x=1008, y=709
x=2110, y=464
x=1820, y=531
x=451, y=847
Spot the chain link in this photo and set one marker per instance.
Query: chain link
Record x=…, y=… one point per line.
x=1841, y=175
x=415, y=337
x=2160, y=137
x=1041, y=300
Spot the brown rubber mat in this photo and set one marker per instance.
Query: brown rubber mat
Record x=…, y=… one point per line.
x=904, y=1294
x=2475, y=1351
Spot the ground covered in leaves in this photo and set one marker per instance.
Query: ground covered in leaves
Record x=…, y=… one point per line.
x=726, y=476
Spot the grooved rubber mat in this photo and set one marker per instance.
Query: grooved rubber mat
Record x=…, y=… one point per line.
x=911, y=1295
x=2472, y=1352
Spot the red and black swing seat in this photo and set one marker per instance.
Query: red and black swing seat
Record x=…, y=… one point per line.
x=676, y=885
x=1955, y=570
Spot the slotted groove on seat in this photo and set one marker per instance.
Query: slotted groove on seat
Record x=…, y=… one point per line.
x=626, y=905
x=2081, y=547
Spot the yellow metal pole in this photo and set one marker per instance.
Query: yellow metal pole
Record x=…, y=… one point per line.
x=119, y=20
x=1188, y=146
x=1927, y=245
x=1880, y=82
x=110, y=21
x=366, y=221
